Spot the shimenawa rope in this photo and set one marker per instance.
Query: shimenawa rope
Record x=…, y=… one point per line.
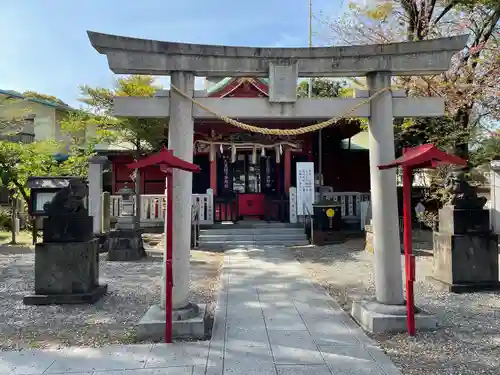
x=297, y=131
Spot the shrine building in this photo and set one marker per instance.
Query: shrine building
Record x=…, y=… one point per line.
x=250, y=175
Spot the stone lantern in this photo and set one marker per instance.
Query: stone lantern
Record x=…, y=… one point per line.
x=125, y=243
x=127, y=209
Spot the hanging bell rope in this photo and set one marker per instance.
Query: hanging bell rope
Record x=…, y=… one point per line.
x=297, y=131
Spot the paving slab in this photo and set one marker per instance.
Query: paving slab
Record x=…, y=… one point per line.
x=294, y=348
x=166, y=355
x=28, y=362
x=303, y=370
x=126, y=357
x=183, y=370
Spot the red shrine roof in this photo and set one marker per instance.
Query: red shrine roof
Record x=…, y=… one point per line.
x=424, y=156
x=240, y=86
x=165, y=158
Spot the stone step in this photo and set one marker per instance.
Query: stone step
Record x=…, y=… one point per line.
x=252, y=237
x=224, y=245
x=254, y=224
x=251, y=231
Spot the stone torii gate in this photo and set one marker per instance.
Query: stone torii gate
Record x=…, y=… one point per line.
x=283, y=66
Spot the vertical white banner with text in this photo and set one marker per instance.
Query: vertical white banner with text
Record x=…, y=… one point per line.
x=305, y=187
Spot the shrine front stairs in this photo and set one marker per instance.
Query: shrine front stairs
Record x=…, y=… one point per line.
x=251, y=234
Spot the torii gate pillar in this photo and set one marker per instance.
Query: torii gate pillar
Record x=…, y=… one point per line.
x=180, y=140
x=388, y=286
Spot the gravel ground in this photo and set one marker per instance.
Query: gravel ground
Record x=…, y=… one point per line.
x=468, y=340
x=132, y=288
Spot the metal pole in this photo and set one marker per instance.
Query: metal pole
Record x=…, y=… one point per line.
x=409, y=259
x=310, y=45
x=310, y=94
x=168, y=259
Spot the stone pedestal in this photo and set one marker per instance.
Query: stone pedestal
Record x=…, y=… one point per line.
x=375, y=317
x=125, y=245
x=66, y=273
x=463, y=221
x=465, y=251
x=188, y=323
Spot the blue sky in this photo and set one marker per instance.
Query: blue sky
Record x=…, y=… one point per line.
x=44, y=46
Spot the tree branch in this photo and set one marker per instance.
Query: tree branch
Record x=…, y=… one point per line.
x=446, y=10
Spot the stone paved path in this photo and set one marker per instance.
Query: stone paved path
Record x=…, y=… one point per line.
x=277, y=322
x=269, y=320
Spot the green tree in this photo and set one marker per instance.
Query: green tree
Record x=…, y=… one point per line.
x=470, y=87
x=321, y=88
x=18, y=161
x=140, y=135
x=487, y=148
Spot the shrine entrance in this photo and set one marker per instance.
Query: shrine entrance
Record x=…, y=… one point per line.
x=250, y=187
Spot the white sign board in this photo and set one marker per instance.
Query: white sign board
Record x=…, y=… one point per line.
x=305, y=187
x=42, y=199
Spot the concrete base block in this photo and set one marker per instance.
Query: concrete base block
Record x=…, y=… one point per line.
x=152, y=325
x=375, y=317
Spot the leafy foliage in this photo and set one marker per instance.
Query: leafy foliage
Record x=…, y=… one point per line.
x=470, y=87
x=487, y=149
x=141, y=133
x=440, y=131
x=19, y=161
x=322, y=88
x=328, y=88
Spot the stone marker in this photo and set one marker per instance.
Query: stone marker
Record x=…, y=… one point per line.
x=67, y=261
x=465, y=249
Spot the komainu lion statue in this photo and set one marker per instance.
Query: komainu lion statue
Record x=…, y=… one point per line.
x=463, y=196
x=68, y=200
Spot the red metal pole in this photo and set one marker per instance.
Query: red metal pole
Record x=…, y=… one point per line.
x=169, y=280
x=409, y=261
